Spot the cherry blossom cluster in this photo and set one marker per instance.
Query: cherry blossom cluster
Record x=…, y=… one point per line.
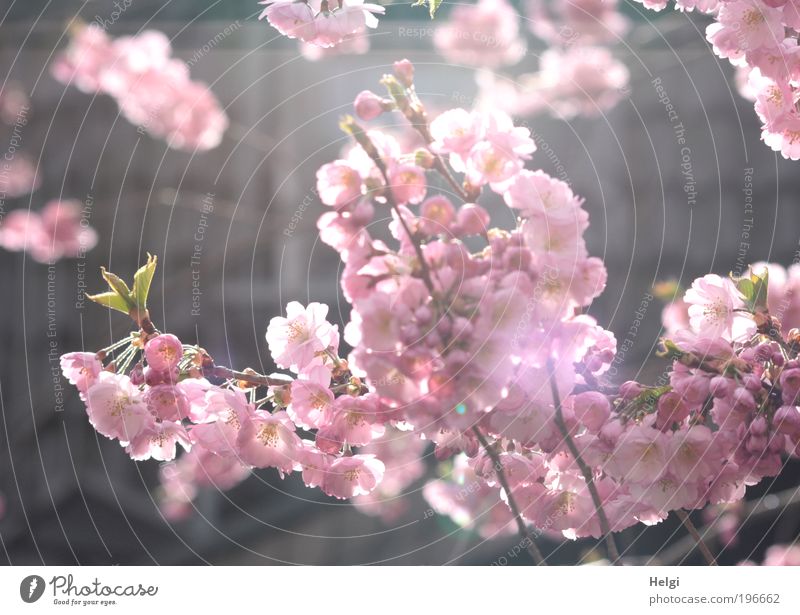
x=154, y=90
x=760, y=38
x=726, y=417
x=59, y=231
x=157, y=394
x=469, y=339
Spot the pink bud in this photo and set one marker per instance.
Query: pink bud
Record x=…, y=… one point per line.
x=790, y=385
x=404, y=71
x=743, y=401
x=368, y=105
x=472, y=220
x=720, y=386
x=630, y=389
x=759, y=426
x=163, y=352
x=752, y=383
x=787, y=419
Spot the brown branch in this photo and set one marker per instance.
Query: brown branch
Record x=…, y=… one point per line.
x=533, y=550
x=218, y=371
x=605, y=527
x=698, y=539
x=754, y=510
x=375, y=156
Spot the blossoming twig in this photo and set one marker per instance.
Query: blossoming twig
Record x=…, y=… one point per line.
x=698, y=539
x=605, y=527
x=533, y=550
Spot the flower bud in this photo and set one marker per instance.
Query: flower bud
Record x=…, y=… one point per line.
x=369, y=105
x=404, y=71
x=787, y=420
x=720, y=386
x=630, y=389
x=790, y=385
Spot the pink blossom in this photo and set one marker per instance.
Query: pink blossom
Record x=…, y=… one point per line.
x=471, y=219
x=455, y=132
x=19, y=178
x=152, y=89
x=338, y=184
x=592, y=409
x=167, y=402
x=744, y=25
x=312, y=398
x=158, y=441
x=408, y=184
x=269, y=440
x=163, y=352
x=640, y=455
x=58, y=232
x=357, y=420
x=290, y=18
x=540, y=196
x=85, y=59
x=578, y=21
x=116, y=408
x=222, y=412
x=437, y=214
x=713, y=304
x=351, y=476
x=318, y=25
x=782, y=555
x=314, y=463
x=82, y=369
x=485, y=34
x=296, y=341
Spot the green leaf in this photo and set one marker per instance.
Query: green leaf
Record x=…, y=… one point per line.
x=142, y=280
x=117, y=284
x=111, y=300
x=433, y=6
x=754, y=290
x=760, y=287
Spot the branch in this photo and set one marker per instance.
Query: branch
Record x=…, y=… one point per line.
x=226, y=373
x=687, y=522
x=533, y=550
x=790, y=498
x=369, y=147
x=605, y=527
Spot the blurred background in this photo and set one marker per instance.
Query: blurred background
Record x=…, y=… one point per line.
x=71, y=496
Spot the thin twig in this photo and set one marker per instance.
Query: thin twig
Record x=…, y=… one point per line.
x=698, y=539
x=753, y=511
x=605, y=527
x=218, y=371
x=426, y=272
x=441, y=166
x=533, y=550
